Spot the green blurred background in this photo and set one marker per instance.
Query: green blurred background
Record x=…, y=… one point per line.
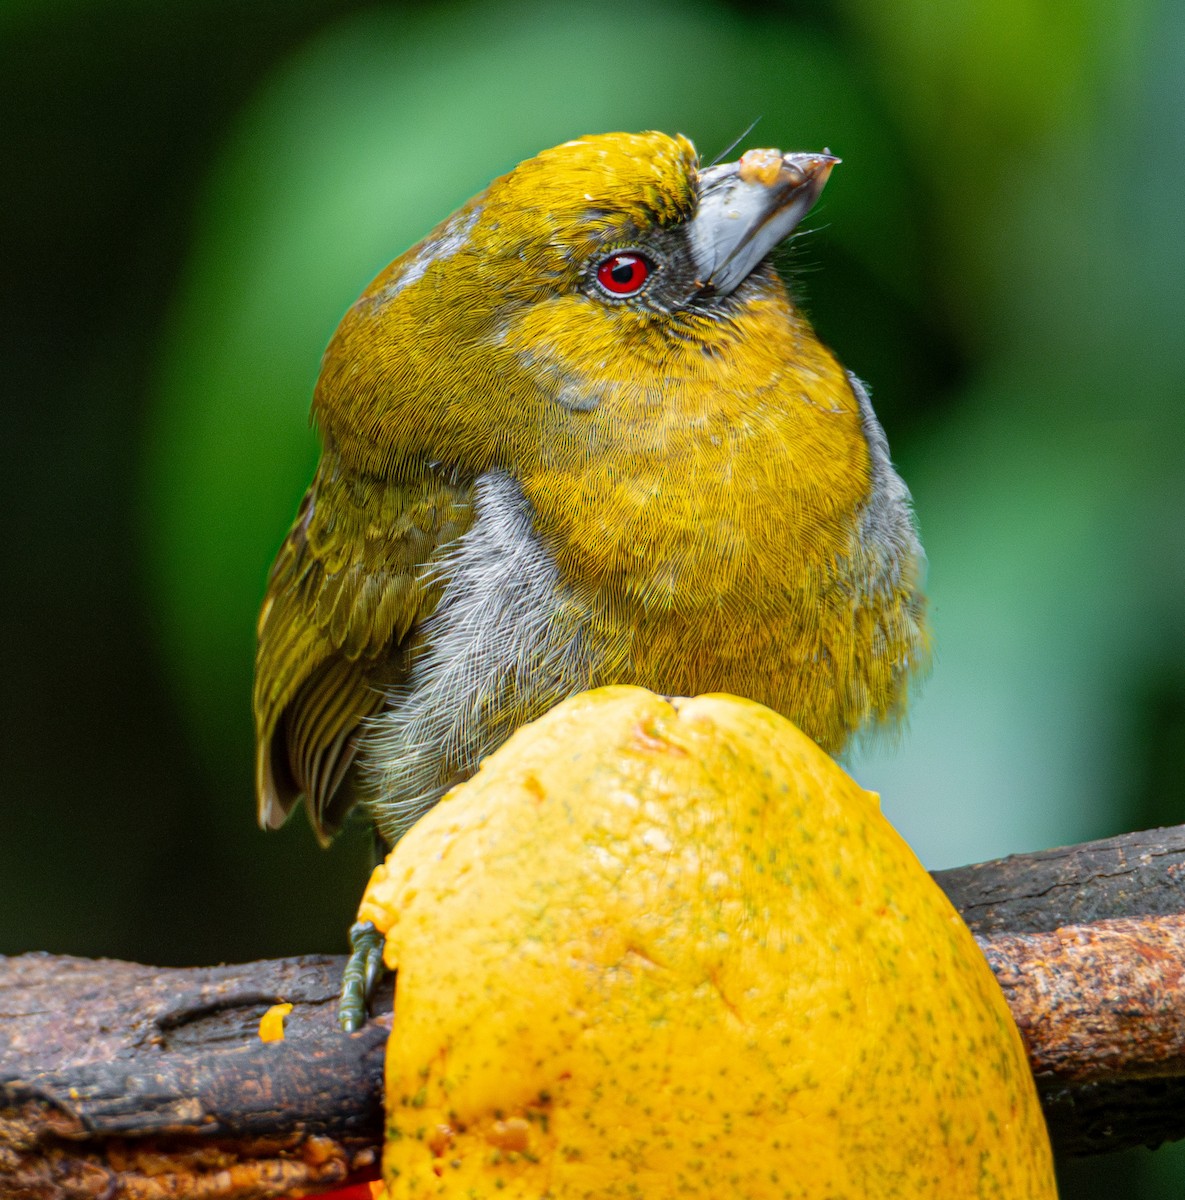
x=193, y=193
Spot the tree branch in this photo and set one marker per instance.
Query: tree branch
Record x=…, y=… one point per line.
x=1135, y=875
x=124, y=1080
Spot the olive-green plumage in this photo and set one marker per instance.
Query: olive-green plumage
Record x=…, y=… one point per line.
x=539, y=477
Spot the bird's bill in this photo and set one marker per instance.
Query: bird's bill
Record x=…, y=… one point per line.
x=748, y=207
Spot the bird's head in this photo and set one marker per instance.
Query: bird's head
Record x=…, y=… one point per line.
x=575, y=291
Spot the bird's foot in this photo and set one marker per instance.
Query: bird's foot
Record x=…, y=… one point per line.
x=358, y=979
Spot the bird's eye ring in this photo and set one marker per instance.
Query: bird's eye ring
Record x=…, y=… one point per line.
x=624, y=273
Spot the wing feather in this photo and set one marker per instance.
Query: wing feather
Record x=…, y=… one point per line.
x=351, y=583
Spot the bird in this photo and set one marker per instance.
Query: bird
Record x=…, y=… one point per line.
x=581, y=434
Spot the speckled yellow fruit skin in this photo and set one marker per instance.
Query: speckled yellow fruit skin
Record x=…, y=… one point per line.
x=668, y=948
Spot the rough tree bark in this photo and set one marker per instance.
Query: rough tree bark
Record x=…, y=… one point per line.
x=120, y=1080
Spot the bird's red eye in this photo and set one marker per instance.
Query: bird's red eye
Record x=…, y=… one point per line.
x=623, y=274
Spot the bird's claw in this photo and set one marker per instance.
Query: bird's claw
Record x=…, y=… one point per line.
x=358, y=979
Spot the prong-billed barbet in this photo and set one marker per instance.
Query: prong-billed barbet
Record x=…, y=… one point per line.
x=579, y=435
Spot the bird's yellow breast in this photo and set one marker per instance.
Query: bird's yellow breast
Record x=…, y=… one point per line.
x=701, y=496
x=725, y=463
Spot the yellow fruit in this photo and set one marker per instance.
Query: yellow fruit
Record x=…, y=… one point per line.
x=670, y=949
x=271, y=1024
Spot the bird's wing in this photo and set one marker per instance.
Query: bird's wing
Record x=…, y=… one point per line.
x=350, y=584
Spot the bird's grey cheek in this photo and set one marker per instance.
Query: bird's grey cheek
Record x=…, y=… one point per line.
x=558, y=384
x=577, y=397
